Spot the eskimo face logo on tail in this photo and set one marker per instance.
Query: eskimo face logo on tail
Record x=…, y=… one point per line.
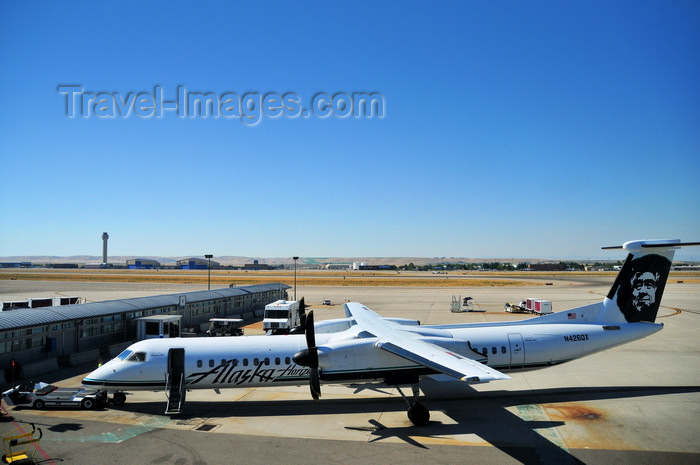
x=641, y=285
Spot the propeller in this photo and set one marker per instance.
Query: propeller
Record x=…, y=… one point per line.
x=309, y=357
x=302, y=314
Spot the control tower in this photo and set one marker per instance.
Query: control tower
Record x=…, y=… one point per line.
x=105, y=236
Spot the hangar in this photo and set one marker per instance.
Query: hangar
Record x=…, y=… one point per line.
x=142, y=264
x=38, y=340
x=195, y=263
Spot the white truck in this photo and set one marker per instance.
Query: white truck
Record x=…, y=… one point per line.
x=281, y=316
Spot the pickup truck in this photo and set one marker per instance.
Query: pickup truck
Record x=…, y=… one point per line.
x=43, y=395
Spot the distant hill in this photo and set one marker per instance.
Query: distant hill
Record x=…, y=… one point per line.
x=276, y=261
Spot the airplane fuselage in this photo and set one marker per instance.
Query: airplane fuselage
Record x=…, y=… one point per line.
x=257, y=361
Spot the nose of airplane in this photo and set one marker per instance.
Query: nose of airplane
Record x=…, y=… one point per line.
x=98, y=376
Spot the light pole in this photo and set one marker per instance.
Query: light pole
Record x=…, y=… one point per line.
x=295, y=277
x=208, y=257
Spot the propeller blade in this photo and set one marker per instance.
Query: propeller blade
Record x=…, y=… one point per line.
x=302, y=314
x=314, y=383
x=310, y=333
x=312, y=351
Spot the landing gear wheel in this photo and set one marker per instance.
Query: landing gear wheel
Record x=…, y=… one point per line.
x=39, y=404
x=118, y=399
x=418, y=414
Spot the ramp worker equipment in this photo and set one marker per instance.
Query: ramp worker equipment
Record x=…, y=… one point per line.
x=21, y=445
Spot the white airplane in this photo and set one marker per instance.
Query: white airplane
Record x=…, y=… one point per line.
x=365, y=346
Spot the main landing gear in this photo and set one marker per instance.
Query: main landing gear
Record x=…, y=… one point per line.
x=417, y=413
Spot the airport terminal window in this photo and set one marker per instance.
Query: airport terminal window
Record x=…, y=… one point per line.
x=5, y=347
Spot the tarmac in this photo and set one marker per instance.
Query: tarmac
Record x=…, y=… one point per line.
x=637, y=403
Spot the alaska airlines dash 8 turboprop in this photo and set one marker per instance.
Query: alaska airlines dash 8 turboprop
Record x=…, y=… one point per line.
x=365, y=346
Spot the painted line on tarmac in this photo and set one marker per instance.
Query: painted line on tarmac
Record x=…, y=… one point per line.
x=119, y=435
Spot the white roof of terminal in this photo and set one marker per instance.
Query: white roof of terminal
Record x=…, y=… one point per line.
x=23, y=318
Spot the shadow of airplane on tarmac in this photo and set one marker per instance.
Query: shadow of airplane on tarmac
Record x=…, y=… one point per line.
x=527, y=437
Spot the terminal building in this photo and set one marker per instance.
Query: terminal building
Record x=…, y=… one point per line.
x=40, y=340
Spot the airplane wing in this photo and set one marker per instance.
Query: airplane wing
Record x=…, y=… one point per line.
x=408, y=345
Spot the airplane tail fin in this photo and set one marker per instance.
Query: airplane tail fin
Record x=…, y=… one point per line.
x=636, y=293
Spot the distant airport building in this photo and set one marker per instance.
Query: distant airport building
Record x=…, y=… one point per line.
x=34, y=341
x=377, y=267
x=256, y=265
x=196, y=264
x=338, y=266
x=142, y=264
x=15, y=264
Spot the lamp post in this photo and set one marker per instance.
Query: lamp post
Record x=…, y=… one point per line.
x=208, y=257
x=295, y=277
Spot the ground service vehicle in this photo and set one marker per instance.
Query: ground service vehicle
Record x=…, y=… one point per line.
x=281, y=316
x=43, y=395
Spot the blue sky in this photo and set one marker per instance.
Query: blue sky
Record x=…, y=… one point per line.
x=510, y=129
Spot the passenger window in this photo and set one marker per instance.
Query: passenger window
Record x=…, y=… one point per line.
x=494, y=351
x=235, y=362
x=223, y=362
x=211, y=362
x=277, y=360
x=256, y=361
x=245, y=362
x=503, y=349
x=199, y=364
x=267, y=361
x=287, y=360
x=484, y=351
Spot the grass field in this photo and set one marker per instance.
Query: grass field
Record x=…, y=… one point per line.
x=310, y=278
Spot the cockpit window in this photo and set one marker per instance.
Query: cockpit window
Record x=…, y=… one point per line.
x=124, y=355
x=137, y=357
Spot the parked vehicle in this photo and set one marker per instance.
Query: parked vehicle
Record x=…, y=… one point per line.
x=41, y=395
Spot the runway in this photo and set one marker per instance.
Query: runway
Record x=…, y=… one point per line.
x=638, y=403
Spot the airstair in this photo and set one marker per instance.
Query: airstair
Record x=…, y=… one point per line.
x=175, y=381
